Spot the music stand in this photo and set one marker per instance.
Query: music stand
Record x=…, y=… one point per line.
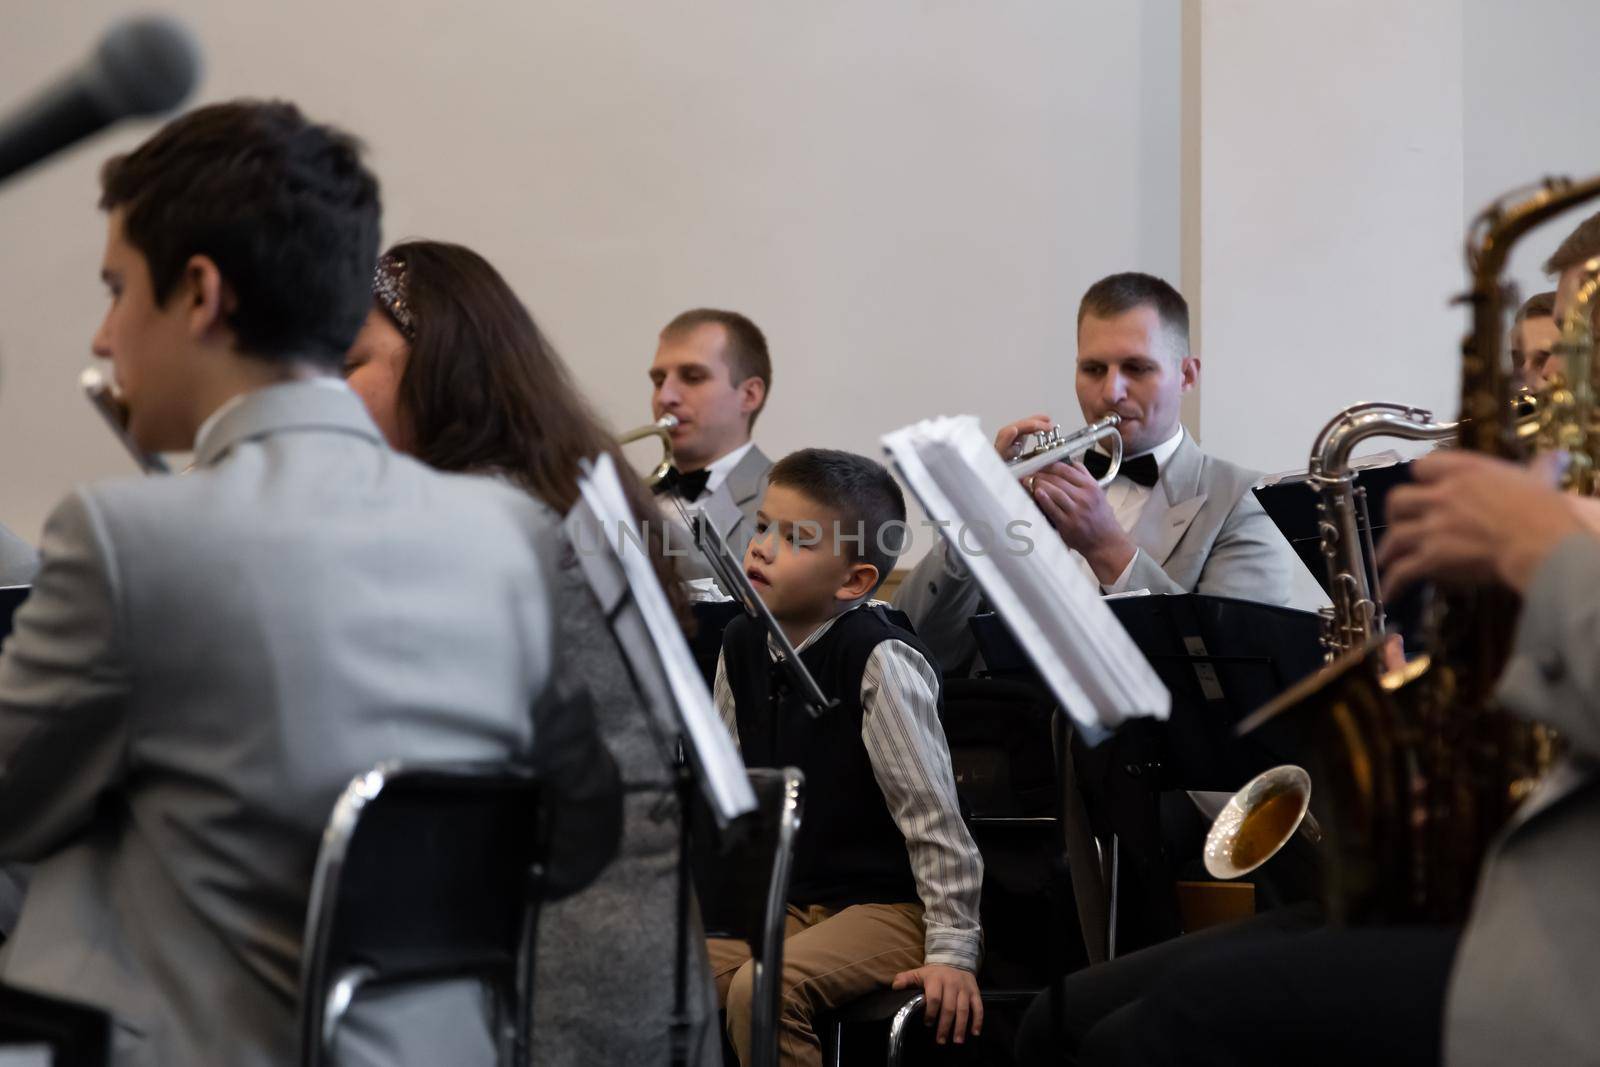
x=1221, y=659
x=730, y=575
x=1290, y=500
x=605, y=536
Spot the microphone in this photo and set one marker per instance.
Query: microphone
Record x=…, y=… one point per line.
x=142, y=66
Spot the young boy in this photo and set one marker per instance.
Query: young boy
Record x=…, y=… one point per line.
x=886, y=877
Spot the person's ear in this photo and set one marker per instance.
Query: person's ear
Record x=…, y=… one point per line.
x=1189, y=372
x=752, y=394
x=207, y=298
x=861, y=580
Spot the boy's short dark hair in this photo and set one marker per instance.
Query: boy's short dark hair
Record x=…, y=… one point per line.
x=860, y=491
x=746, y=350
x=284, y=207
x=1117, y=294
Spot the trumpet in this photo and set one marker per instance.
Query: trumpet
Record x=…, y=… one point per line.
x=661, y=428
x=102, y=392
x=1036, y=451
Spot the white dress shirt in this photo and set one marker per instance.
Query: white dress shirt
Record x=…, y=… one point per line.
x=718, y=470
x=911, y=761
x=1127, y=499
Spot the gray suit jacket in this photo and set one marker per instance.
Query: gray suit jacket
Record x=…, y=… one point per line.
x=1523, y=988
x=1201, y=531
x=18, y=561
x=732, y=509
x=204, y=664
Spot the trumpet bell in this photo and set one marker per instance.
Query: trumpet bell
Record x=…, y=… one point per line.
x=1258, y=821
x=662, y=429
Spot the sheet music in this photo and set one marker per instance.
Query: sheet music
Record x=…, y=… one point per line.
x=1052, y=608
x=610, y=550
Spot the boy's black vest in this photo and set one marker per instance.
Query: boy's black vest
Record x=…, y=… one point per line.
x=849, y=849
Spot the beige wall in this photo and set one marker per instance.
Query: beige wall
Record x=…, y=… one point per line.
x=907, y=196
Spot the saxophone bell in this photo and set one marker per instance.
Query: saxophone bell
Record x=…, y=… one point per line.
x=1259, y=820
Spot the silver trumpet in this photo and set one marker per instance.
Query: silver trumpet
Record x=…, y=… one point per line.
x=661, y=428
x=102, y=393
x=1036, y=451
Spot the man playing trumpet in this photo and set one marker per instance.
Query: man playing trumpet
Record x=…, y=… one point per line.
x=1173, y=520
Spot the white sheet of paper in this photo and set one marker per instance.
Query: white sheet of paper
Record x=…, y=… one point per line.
x=620, y=573
x=1052, y=608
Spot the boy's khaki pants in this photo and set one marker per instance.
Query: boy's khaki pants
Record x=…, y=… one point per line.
x=829, y=959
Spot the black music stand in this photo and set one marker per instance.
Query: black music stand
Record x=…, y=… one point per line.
x=1221, y=659
x=730, y=575
x=1291, y=502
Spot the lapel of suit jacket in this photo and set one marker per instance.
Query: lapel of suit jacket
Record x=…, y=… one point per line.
x=1168, y=513
x=299, y=405
x=741, y=489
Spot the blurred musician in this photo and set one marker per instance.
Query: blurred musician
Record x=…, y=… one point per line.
x=206, y=661
x=1174, y=520
x=712, y=372
x=1515, y=985
x=1534, y=333
x=456, y=372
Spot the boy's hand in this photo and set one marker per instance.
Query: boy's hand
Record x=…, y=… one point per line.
x=951, y=996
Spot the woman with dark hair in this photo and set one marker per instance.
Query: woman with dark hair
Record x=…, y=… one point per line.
x=455, y=372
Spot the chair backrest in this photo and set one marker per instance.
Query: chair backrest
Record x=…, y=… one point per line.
x=742, y=880
x=425, y=872
x=76, y=1035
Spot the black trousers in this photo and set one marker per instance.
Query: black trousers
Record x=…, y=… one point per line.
x=1273, y=989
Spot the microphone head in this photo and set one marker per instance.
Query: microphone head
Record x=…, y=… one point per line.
x=142, y=66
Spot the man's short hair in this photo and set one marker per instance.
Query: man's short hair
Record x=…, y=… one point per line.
x=860, y=491
x=284, y=207
x=1537, y=306
x=745, y=352
x=1581, y=245
x=1117, y=294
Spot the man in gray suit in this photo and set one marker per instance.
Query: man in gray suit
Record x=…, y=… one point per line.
x=207, y=660
x=1174, y=520
x=712, y=372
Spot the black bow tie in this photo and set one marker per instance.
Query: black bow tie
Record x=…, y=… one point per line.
x=1139, y=469
x=687, y=487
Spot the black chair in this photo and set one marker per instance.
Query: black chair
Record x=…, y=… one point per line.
x=77, y=1035
x=425, y=873
x=742, y=881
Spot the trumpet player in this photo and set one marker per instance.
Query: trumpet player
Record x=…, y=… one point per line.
x=1173, y=520
x=712, y=373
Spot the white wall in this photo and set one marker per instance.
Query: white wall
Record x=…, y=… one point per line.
x=1530, y=93
x=1330, y=201
x=908, y=196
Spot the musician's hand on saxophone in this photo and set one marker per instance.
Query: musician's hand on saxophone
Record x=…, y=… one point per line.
x=1470, y=519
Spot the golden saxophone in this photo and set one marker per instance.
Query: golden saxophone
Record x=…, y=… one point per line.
x=1419, y=769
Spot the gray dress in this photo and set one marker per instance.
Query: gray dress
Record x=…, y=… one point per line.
x=603, y=983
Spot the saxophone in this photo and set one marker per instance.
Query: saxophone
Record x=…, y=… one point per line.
x=1417, y=767
x=1356, y=617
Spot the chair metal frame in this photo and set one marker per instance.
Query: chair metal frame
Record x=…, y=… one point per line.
x=767, y=987
x=324, y=1003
